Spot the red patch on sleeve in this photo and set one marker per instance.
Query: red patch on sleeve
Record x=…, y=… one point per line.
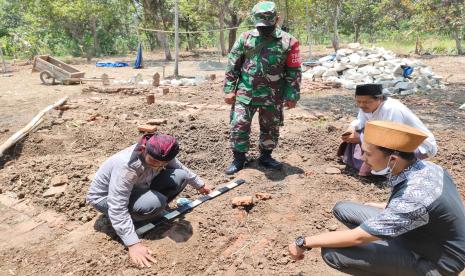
x=293, y=58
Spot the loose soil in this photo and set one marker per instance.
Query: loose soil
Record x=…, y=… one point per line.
x=61, y=235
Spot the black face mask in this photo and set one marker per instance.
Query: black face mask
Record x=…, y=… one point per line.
x=266, y=30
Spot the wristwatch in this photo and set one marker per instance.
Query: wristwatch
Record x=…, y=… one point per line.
x=300, y=242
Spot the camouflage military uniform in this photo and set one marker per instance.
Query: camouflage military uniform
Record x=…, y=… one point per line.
x=264, y=72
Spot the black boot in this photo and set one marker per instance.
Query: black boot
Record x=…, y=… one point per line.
x=267, y=161
x=237, y=164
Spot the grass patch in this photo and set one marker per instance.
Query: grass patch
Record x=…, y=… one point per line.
x=430, y=45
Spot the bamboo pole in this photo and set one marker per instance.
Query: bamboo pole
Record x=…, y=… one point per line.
x=29, y=127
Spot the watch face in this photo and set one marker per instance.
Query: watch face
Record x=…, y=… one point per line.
x=300, y=241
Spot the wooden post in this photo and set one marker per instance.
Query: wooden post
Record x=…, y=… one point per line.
x=3, y=60
x=176, y=39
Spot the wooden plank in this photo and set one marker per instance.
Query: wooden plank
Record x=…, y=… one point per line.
x=29, y=127
x=36, y=61
x=61, y=64
x=77, y=75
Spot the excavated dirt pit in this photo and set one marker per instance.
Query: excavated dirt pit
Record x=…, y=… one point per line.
x=60, y=235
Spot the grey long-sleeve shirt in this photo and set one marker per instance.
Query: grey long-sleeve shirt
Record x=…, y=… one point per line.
x=116, y=178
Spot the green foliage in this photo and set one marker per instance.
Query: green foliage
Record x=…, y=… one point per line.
x=91, y=28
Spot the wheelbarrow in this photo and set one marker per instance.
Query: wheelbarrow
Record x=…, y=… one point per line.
x=53, y=71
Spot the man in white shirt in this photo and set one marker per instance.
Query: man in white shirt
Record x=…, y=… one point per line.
x=376, y=106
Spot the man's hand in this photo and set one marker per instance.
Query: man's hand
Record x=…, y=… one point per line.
x=376, y=205
x=205, y=190
x=289, y=104
x=296, y=252
x=230, y=98
x=353, y=138
x=140, y=255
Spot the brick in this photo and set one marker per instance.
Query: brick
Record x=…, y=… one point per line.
x=52, y=191
x=263, y=196
x=165, y=90
x=332, y=170
x=147, y=128
x=150, y=99
x=242, y=201
x=59, y=180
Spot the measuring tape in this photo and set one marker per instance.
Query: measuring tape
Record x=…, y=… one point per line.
x=170, y=215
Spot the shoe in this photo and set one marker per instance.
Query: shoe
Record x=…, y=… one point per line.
x=237, y=164
x=269, y=162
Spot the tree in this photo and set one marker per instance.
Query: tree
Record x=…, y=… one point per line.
x=337, y=4
x=359, y=14
x=157, y=14
x=447, y=15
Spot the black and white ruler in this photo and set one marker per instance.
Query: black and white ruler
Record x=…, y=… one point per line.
x=167, y=216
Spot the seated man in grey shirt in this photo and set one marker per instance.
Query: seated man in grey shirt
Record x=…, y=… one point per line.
x=136, y=184
x=421, y=229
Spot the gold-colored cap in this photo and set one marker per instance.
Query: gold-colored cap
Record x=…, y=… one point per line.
x=393, y=135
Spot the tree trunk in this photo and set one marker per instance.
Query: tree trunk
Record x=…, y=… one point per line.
x=357, y=33
x=418, y=46
x=309, y=31
x=222, y=44
x=3, y=60
x=93, y=24
x=190, y=43
x=235, y=22
x=164, y=36
x=232, y=38
x=163, y=41
x=151, y=15
x=458, y=41
x=176, y=39
x=335, y=39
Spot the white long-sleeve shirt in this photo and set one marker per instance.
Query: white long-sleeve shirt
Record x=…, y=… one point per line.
x=393, y=110
x=115, y=180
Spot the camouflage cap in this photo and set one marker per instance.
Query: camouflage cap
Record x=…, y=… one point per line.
x=264, y=14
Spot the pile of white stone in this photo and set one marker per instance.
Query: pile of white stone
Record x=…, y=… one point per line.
x=358, y=65
x=138, y=80
x=184, y=81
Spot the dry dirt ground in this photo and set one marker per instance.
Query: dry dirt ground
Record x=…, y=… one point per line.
x=60, y=235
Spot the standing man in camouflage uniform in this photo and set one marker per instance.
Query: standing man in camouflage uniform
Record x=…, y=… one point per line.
x=263, y=74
